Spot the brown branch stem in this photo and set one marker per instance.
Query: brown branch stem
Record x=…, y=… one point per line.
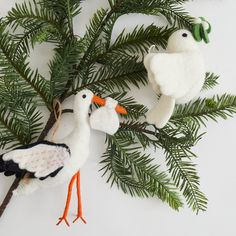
x=9, y=194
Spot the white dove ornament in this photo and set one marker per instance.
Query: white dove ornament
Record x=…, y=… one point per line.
x=105, y=118
x=177, y=75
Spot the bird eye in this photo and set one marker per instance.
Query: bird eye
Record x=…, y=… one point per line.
x=185, y=35
x=84, y=96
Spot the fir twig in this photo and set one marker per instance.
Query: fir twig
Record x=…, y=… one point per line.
x=134, y=173
x=204, y=109
x=211, y=81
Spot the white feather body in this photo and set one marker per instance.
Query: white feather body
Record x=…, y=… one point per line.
x=177, y=75
x=77, y=141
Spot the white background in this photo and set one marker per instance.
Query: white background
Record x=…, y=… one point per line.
x=109, y=211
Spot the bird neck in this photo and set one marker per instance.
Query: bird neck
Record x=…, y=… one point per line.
x=81, y=122
x=81, y=127
x=81, y=117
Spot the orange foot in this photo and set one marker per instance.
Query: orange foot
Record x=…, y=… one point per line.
x=80, y=217
x=63, y=219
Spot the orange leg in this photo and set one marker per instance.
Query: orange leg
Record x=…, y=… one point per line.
x=79, y=212
x=64, y=217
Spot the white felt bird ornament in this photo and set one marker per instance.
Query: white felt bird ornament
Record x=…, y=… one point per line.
x=47, y=164
x=106, y=119
x=177, y=75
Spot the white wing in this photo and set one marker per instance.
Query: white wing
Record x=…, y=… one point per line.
x=147, y=60
x=42, y=159
x=169, y=73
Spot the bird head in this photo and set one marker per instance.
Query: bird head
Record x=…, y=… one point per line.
x=181, y=41
x=84, y=98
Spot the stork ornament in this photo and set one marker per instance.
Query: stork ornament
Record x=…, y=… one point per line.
x=47, y=164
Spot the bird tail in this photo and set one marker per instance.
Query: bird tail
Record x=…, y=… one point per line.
x=10, y=168
x=2, y=165
x=160, y=114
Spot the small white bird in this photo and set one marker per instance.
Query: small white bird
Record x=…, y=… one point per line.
x=178, y=75
x=105, y=118
x=48, y=164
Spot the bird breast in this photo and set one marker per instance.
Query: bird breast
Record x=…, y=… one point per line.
x=194, y=76
x=79, y=143
x=177, y=75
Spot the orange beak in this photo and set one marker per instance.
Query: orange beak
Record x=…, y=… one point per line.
x=102, y=102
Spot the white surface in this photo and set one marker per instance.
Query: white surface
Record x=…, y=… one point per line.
x=109, y=211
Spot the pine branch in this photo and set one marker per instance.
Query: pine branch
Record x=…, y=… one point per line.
x=10, y=131
x=27, y=39
x=141, y=133
x=13, y=64
x=119, y=73
x=137, y=42
x=184, y=135
x=108, y=29
x=29, y=118
x=98, y=24
x=211, y=81
x=20, y=118
x=18, y=130
x=28, y=15
x=170, y=9
x=37, y=34
x=44, y=21
x=185, y=177
x=62, y=67
x=138, y=176
x=64, y=10
x=204, y=109
x=39, y=23
x=178, y=156
x=175, y=15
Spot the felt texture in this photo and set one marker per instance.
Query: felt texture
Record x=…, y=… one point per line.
x=177, y=74
x=42, y=159
x=19, y=161
x=201, y=30
x=78, y=146
x=49, y=164
x=105, y=118
x=161, y=113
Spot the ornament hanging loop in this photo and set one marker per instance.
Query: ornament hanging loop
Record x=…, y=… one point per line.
x=152, y=49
